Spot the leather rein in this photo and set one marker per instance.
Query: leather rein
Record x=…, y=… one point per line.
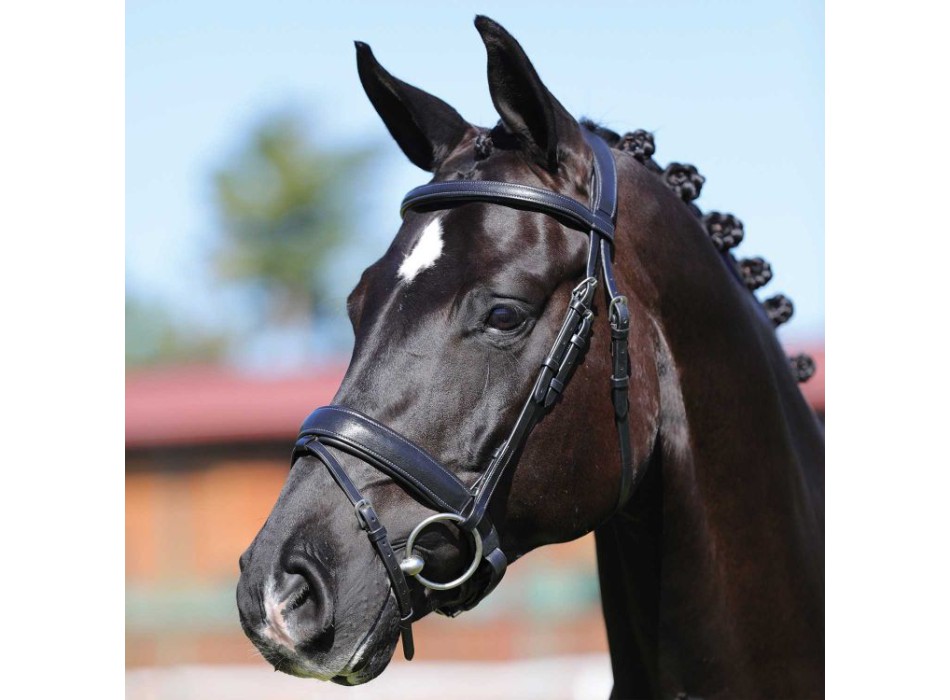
x=422, y=475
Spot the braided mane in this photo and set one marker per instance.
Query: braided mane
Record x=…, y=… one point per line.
x=725, y=230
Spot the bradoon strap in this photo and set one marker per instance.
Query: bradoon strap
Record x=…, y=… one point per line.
x=391, y=453
x=512, y=195
x=369, y=522
x=559, y=365
x=552, y=379
x=618, y=314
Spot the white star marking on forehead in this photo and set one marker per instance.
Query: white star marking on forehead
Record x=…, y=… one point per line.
x=426, y=251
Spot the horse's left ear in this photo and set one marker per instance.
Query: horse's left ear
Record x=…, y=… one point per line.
x=426, y=128
x=529, y=110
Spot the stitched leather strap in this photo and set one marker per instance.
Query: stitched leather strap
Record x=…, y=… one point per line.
x=443, y=194
x=555, y=371
x=619, y=316
x=391, y=453
x=369, y=522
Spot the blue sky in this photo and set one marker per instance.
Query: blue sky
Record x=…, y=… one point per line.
x=734, y=87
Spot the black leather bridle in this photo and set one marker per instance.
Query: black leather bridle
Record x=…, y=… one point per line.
x=418, y=472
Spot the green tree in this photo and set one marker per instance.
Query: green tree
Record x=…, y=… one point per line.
x=284, y=204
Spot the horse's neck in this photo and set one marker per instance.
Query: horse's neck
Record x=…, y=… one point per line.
x=712, y=576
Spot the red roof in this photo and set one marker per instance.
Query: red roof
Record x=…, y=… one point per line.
x=197, y=405
x=202, y=405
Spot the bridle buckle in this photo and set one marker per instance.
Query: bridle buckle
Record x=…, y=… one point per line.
x=618, y=313
x=358, y=507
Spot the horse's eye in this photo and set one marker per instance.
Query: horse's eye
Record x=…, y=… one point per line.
x=504, y=318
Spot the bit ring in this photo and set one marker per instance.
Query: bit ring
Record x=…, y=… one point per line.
x=435, y=585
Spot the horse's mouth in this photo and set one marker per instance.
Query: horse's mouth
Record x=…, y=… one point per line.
x=375, y=651
x=346, y=663
x=370, y=657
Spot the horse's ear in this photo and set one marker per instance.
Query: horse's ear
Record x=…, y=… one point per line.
x=525, y=105
x=425, y=127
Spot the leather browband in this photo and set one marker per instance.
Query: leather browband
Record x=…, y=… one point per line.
x=421, y=474
x=512, y=195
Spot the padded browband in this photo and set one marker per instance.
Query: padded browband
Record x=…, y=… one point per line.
x=391, y=453
x=512, y=195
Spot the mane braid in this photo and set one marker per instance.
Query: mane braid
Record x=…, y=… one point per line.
x=725, y=231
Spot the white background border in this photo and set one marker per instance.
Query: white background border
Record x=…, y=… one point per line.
x=61, y=285
x=61, y=173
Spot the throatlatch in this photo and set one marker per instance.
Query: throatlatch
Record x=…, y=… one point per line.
x=422, y=475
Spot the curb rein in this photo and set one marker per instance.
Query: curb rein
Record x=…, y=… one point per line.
x=418, y=472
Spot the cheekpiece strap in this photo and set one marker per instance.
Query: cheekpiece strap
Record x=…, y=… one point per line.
x=369, y=522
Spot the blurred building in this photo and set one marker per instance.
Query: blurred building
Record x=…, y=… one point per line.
x=207, y=451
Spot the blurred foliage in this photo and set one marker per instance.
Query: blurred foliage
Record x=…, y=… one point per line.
x=153, y=336
x=284, y=204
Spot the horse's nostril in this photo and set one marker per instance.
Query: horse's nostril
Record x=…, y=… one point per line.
x=309, y=603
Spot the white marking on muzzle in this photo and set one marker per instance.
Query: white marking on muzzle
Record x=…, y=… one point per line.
x=424, y=254
x=275, y=627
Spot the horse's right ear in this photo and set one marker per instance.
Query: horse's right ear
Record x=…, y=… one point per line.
x=425, y=127
x=529, y=110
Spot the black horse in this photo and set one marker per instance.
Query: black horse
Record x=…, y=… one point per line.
x=711, y=571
